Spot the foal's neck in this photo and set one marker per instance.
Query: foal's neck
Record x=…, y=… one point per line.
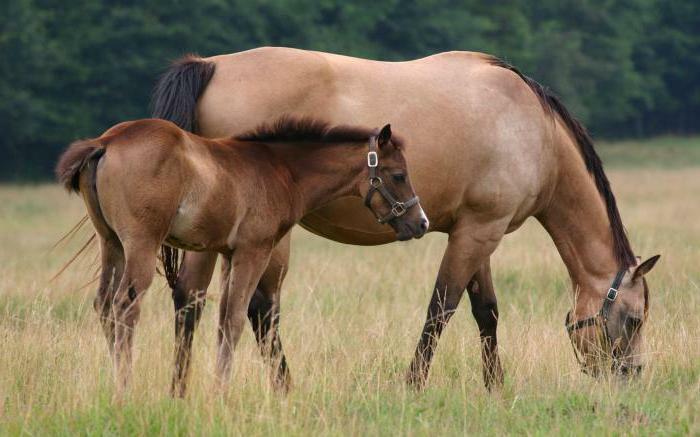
x=577, y=220
x=322, y=173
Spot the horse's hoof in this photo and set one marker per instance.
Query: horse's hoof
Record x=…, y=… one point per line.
x=416, y=381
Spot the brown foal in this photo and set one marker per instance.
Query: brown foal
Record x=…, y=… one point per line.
x=148, y=182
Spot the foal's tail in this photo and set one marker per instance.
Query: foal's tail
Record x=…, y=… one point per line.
x=75, y=159
x=77, y=172
x=175, y=99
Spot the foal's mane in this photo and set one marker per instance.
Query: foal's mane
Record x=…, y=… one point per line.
x=554, y=106
x=309, y=130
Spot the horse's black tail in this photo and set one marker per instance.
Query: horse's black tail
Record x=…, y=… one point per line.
x=175, y=99
x=175, y=95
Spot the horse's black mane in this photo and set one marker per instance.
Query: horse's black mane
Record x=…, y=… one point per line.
x=553, y=105
x=308, y=130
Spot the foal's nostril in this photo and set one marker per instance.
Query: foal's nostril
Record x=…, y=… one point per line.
x=423, y=225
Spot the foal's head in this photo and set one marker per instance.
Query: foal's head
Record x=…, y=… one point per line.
x=612, y=336
x=387, y=189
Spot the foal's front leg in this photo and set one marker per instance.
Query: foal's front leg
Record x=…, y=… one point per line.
x=189, y=298
x=264, y=315
x=242, y=272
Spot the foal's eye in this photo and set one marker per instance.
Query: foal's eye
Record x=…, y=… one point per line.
x=399, y=178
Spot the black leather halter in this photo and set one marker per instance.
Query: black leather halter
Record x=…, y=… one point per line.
x=601, y=315
x=376, y=185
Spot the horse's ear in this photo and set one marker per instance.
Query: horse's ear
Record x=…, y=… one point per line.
x=645, y=267
x=384, y=136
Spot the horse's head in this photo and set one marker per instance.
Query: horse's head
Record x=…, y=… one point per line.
x=608, y=333
x=388, y=192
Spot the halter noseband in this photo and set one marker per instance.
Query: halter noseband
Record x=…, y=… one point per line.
x=377, y=185
x=603, y=314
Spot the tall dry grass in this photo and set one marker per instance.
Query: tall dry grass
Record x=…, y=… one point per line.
x=350, y=319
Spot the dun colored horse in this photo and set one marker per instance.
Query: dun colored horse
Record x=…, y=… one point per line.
x=147, y=182
x=492, y=148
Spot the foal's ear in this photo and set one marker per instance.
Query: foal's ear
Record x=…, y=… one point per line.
x=384, y=136
x=645, y=267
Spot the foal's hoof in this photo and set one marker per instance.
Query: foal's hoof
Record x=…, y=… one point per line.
x=282, y=384
x=118, y=398
x=177, y=391
x=416, y=380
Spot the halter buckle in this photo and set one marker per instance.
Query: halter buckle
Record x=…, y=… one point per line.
x=612, y=294
x=398, y=209
x=372, y=159
x=375, y=182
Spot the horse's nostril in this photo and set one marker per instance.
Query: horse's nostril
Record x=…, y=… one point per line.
x=630, y=370
x=634, y=323
x=424, y=225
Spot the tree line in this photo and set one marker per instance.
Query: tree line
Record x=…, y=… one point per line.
x=71, y=69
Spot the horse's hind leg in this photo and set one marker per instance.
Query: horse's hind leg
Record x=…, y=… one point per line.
x=189, y=297
x=112, y=259
x=140, y=267
x=485, y=311
x=264, y=313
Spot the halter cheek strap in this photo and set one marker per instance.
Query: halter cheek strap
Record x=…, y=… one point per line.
x=376, y=185
x=602, y=314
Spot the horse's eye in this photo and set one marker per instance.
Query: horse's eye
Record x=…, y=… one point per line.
x=399, y=178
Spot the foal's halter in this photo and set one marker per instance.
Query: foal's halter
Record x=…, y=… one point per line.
x=601, y=315
x=376, y=185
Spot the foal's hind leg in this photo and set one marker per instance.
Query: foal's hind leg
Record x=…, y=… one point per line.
x=140, y=267
x=485, y=311
x=264, y=311
x=112, y=256
x=189, y=297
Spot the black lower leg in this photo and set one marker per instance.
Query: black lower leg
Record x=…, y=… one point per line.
x=485, y=312
x=188, y=311
x=443, y=304
x=263, y=314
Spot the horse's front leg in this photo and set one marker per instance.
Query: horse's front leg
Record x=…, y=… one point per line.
x=242, y=272
x=470, y=244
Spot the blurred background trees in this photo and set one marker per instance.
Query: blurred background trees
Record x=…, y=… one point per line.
x=627, y=68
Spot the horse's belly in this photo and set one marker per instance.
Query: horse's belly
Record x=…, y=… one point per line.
x=348, y=221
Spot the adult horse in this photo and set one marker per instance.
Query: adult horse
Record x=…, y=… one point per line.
x=493, y=148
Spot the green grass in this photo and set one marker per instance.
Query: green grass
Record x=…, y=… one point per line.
x=350, y=319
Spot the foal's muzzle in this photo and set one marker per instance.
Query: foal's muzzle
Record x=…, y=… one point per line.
x=408, y=229
x=396, y=217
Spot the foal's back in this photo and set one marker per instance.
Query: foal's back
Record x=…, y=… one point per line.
x=164, y=183
x=149, y=174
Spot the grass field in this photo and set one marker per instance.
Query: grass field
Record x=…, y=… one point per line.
x=350, y=320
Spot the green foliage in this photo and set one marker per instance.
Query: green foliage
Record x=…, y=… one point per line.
x=625, y=67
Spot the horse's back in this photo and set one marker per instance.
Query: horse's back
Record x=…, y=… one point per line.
x=476, y=133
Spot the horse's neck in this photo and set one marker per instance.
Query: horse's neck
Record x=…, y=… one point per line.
x=577, y=220
x=321, y=174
